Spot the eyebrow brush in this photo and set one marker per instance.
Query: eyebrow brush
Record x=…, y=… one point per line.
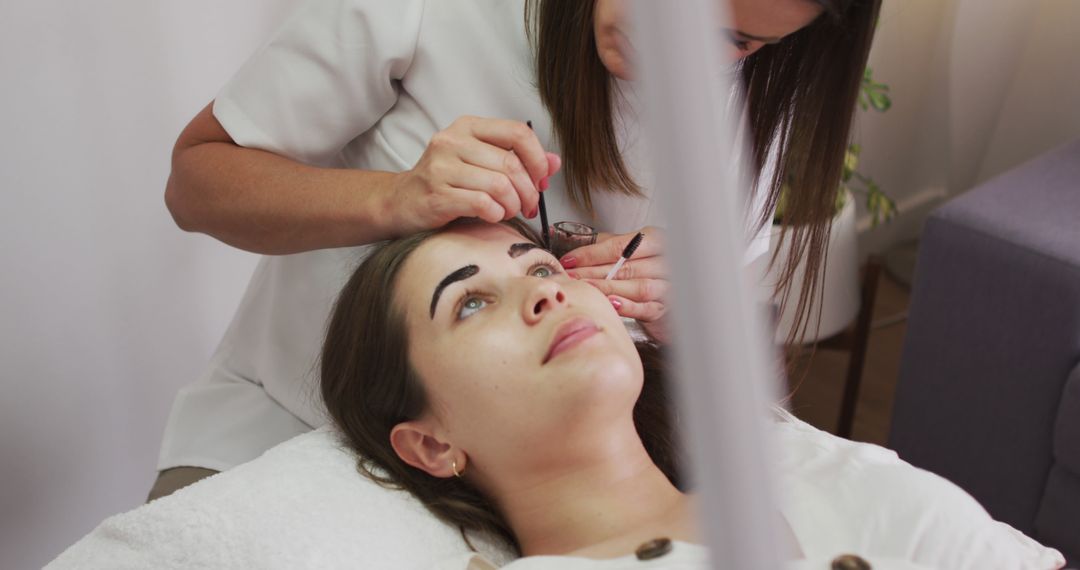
x=544, y=231
x=626, y=253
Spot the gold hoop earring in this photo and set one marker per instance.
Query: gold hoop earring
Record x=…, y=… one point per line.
x=453, y=466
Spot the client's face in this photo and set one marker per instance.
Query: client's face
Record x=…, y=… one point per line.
x=515, y=355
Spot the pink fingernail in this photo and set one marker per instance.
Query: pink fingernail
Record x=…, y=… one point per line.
x=568, y=262
x=615, y=303
x=544, y=183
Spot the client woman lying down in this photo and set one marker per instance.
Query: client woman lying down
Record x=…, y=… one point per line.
x=467, y=368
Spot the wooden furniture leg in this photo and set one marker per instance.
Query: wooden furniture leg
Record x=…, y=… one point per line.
x=858, y=347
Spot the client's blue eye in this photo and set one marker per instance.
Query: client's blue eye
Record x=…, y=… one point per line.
x=469, y=306
x=543, y=269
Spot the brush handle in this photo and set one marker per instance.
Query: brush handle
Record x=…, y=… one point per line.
x=545, y=232
x=614, y=270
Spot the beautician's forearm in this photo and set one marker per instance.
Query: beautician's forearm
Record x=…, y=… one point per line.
x=264, y=203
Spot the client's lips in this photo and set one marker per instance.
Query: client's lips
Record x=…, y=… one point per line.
x=570, y=334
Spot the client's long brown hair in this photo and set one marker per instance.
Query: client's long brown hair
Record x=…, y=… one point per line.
x=369, y=386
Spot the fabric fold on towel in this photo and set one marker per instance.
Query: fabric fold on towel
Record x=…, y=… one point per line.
x=302, y=504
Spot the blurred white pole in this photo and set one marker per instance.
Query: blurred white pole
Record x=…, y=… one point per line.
x=720, y=345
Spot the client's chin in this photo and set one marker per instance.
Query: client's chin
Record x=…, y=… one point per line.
x=597, y=370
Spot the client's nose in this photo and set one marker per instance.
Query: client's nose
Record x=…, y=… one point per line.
x=544, y=296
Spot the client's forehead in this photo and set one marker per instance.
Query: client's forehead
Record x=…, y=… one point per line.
x=448, y=251
x=485, y=232
x=454, y=245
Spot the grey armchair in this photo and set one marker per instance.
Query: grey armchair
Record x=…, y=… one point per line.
x=989, y=389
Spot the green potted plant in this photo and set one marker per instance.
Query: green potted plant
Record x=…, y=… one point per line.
x=839, y=279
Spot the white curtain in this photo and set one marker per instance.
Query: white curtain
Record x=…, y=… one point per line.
x=978, y=86
x=106, y=308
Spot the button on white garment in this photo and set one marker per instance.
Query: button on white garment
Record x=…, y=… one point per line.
x=360, y=84
x=682, y=556
x=654, y=549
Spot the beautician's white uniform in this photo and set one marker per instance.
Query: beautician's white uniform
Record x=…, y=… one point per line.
x=359, y=84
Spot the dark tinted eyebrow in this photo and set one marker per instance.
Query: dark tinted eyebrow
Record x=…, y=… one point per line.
x=459, y=275
x=757, y=38
x=518, y=249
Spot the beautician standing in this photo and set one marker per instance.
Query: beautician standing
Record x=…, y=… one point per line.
x=363, y=120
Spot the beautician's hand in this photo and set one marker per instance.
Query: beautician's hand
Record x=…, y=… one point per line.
x=640, y=288
x=492, y=169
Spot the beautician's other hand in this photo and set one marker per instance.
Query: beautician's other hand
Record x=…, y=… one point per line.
x=640, y=288
x=492, y=169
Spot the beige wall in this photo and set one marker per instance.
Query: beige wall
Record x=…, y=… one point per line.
x=1041, y=110
x=978, y=87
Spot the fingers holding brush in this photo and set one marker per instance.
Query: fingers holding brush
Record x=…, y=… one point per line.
x=645, y=268
x=638, y=292
x=629, y=267
x=652, y=315
x=609, y=248
x=493, y=169
x=644, y=300
x=636, y=282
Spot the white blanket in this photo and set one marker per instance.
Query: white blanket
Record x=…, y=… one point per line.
x=304, y=505
x=301, y=505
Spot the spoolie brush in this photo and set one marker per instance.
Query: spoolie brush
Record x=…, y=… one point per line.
x=626, y=253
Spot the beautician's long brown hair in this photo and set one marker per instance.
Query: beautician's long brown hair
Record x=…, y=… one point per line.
x=369, y=387
x=801, y=94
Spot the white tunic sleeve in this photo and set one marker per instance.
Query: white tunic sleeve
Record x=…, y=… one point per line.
x=327, y=76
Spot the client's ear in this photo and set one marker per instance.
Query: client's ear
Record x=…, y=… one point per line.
x=416, y=444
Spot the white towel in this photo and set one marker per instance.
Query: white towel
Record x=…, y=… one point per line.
x=304, y=505
x=301, y=505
